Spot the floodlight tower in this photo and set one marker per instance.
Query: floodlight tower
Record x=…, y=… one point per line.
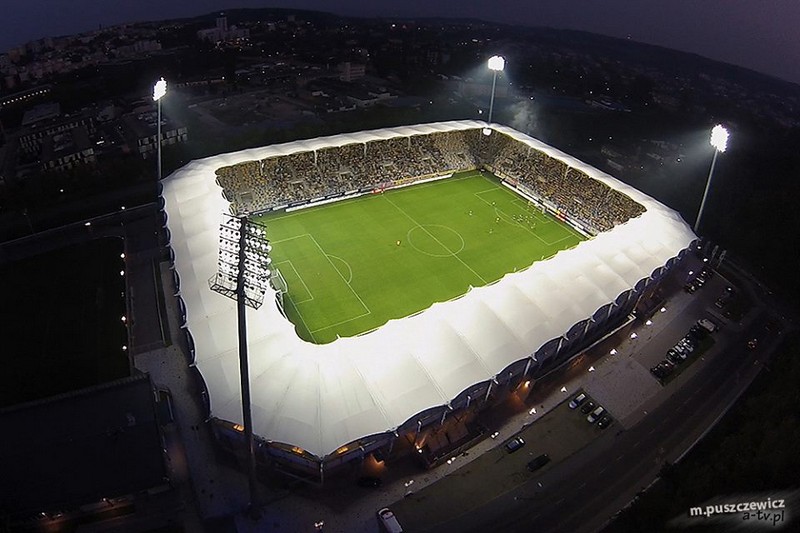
x=244, y=275
x=159, y=90
x=496, y=64
x=719, y=140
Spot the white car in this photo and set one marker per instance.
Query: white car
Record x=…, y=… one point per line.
x=577, y=400
x=594, y=415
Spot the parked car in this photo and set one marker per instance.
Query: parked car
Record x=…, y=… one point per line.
x=604, y=422
x=538, y=462
x=588, y=406
x=698, y=332
x=675, y=356
x=515, y=444
x=577, y=400
x=662, y=369
x=388, y=520
x=707, y=325
x=596, y=414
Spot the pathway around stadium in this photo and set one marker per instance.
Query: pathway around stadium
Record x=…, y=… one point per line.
x=220, y=491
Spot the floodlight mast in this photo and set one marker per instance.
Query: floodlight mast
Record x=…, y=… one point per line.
x=244, y=251
x=159, y=90
x=496, y=64
x=244, y=370
x=719, y=140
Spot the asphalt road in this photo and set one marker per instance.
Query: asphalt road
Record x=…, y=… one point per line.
x=581, y=493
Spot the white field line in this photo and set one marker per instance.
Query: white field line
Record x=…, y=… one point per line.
x=435, y=239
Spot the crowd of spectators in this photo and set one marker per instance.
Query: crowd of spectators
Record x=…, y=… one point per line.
x=280, y=180
x=569, y=190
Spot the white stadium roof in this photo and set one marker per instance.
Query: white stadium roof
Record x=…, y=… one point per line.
x=320, y=397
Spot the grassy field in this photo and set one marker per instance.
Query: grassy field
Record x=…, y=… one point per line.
x=61, y=327
x=353, y=265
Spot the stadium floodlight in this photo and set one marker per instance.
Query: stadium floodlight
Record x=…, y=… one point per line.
x=244, y=275
x=719, y=140
x=496, y=64
x=159, y=91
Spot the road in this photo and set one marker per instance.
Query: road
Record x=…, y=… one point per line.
x=582, y=492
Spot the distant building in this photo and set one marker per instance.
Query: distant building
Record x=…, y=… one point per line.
x=221, y=32
x=32, y=137
x=67, y=150
x=351, y=71
x=41, y=112
x=141, y=132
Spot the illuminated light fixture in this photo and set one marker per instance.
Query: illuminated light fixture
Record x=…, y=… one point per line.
x=124, y=319
x=719, y=140
x=663, y=309
x=496, y=64
x=238, y=427
x=563, y=389
x=121, y=272
x=528, y=383
x=591, y=369
x=87, y=224
x=634, y=335
x=649, y=323
x=613, y=351
x=243, y=276
x=532, y=411
x=122, y=255
x=159, y=91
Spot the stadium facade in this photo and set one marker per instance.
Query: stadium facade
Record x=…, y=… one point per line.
x=318, y=407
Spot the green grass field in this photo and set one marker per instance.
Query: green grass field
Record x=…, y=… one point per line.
x=347, y=274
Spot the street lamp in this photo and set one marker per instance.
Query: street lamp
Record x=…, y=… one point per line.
x=244, y=275
x=496, y=64
x=159, y=90
x=719, y=140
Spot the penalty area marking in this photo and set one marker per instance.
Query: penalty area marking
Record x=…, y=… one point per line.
x=299, y=314
x=308, y=291
x=340, y=275
x=349, y=268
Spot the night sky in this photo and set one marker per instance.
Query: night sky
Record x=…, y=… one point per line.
x=758, y=34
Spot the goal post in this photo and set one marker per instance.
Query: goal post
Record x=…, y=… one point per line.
x=279, y=284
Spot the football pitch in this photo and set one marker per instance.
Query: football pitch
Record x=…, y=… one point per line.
x=353, y=265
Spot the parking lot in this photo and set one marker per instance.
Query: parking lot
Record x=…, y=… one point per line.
x=559, y=434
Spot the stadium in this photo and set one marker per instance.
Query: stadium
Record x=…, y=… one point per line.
x=414, y=383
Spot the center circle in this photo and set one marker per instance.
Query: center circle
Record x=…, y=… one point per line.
x=435, y=240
